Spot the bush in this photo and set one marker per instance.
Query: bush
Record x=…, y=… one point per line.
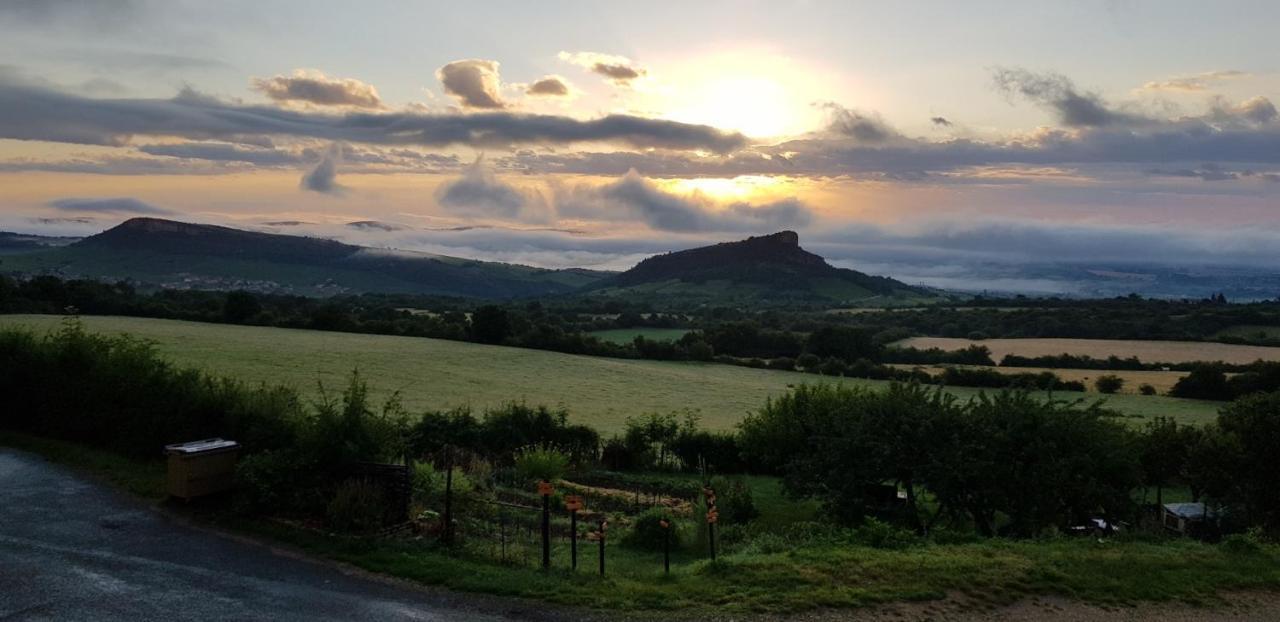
x=647, y=532
x=541, y=463
x=783, y=363
x=358, y=506
x=734, y=500
x=1146, y=389
x=1109, y=383
x=881, y=535
x=429, y=484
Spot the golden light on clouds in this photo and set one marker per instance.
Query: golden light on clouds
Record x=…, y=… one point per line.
x=741, y=188
x=756, y=92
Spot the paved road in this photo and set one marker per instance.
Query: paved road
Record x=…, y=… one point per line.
x=73, y=550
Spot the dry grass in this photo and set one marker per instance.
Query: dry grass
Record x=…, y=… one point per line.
x=1146, y=351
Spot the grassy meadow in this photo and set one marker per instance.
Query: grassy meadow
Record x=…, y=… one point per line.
x=1146, y=351
x=431, y=373
x=627, y=335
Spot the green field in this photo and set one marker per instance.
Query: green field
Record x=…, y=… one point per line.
x=431, y=373
x=627, y=335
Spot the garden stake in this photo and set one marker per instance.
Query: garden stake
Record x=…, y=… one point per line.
x=545, y=488
x=603, y=523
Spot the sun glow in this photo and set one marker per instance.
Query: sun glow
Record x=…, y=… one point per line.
x=741, y=188
x=760, y=94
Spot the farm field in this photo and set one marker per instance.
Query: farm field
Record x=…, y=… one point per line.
x=1161, y=380
x=1146, y=351
x=1251, y=332
x=627, y=335
x=432, y=373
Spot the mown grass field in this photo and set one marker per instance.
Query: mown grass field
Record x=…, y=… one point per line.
x=627, y=335
x=430, y=373
x=1146, y=351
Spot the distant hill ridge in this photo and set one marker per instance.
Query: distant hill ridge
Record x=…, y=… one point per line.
x=180, y=254
x=776, y=264
x=183, y=238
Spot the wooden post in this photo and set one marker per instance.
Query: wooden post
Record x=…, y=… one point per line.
x=544, y=489
x=448, y=496
x=502, y=528
x=666, y=547
x=603, y=524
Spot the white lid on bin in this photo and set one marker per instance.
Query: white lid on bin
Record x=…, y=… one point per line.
x=201, y=446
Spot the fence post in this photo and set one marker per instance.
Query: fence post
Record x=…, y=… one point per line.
x=666, y=546
x=448, y=496
x=603, y=524
x=713, y=516
x=544, y=488
x=502, y=528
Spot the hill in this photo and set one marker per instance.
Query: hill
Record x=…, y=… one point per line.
x=11, y=243
x=432, y=373
x=167, y=253
x=770, y=268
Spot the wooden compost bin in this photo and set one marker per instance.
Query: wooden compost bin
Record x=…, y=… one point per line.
x=202, y=467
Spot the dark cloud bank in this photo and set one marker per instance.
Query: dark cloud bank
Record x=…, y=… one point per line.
x=29, y=112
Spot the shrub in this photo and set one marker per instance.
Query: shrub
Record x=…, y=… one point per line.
x=647, y=532
x=541, y=462
x=358, y=506
x=881, y=535
x=429, y=484
x=1109, y=383
x=734, y=500
x=783, y=363
x=1146, y=389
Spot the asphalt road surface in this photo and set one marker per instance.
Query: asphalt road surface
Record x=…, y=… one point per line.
x=74, y=550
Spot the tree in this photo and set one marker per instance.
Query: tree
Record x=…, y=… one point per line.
x=843, y=342
x=490, y=324
x=240, y=306
x=1165, y=450
x=1109, y=383
x=1203, y=383
x=1251, y=425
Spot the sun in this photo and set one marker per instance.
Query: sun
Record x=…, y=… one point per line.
x=757, y=106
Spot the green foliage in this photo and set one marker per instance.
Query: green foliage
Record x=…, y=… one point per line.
x=647, y=532
x=1146, y=389
x=734, y=500
x=1040, y=464
x=1108, y=383
x=541, y=462
x=490, y=324
x=357, y=506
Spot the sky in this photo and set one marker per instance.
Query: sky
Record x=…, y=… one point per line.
x=917, y=139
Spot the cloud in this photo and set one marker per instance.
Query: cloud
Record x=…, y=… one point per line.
x=218, y=151
x=313, y=87
x=479, y=193
x=549, y=86
x=33, y=112
x=1058, y=93
x=323, y=178
x=633, y=197
x=474, y=82
x=116, y=205
x=617, y=69
x=1257, y=109
x=1193, y=83
x=940, y=121
x=863, y=127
